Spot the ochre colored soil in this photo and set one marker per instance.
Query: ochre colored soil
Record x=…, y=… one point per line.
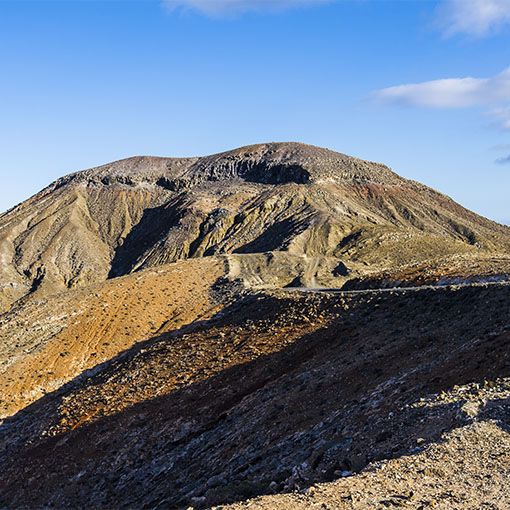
x=101, y=322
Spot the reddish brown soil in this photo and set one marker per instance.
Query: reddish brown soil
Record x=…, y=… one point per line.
x=99, y=323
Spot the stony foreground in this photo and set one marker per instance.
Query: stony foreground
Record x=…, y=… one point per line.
x=467, y=468
x=279, y=391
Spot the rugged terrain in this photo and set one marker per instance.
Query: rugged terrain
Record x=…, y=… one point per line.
x=276, y=393
x=198, y=333
x=303, y=215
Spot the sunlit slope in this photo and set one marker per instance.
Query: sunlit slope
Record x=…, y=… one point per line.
x=46, y=344
x=346, y=215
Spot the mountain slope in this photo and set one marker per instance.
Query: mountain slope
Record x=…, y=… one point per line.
x=47, y=343
x=277, y=392
x=160, y=347
x=343, y=215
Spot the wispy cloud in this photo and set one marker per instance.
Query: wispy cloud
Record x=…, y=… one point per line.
x=232, y=7
x=453, y=93
x=501, y=116
x=477, y=18
x=492, y=93
x=501, y=147
x=505, y=160
x=474, y=17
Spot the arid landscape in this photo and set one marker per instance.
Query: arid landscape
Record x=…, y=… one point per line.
x=279, y=326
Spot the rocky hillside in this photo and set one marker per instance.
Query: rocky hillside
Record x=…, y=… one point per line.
x=164, y=342
x=294, y=214
x=279, y=391
x=49, y=342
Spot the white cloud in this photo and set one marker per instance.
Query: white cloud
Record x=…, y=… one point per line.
x=230, y=7
x=474, y=17
x=451, y=93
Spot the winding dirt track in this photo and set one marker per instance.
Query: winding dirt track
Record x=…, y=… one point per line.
x=481, y=283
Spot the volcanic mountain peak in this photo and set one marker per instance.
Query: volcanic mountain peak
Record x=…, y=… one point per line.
x=221, y=377
x=284, y=213
x=267, y=163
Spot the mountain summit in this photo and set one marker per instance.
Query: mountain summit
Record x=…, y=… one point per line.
x=268, y=163
x=280, y=213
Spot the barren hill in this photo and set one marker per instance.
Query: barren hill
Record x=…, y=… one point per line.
x=164, y=342
x=296, y=214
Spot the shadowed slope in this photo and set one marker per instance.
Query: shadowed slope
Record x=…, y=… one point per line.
x=277, y=388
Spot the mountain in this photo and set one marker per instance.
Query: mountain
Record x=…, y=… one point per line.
x=288, y=214
x=229, y=332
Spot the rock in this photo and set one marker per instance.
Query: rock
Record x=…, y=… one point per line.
x=471, y=409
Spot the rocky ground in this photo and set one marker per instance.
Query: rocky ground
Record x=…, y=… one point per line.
x=165, y=342
x=276, y=393
x=468, y=467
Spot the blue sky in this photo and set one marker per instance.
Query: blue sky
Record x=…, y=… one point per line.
x=422, y=86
